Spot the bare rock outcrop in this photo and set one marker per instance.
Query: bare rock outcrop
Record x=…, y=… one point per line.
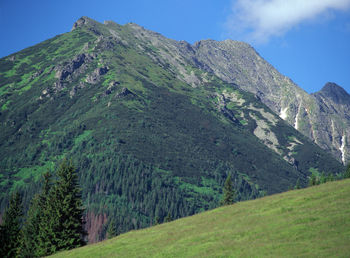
x=70, y=70
x=125, y=92
x=95, y=76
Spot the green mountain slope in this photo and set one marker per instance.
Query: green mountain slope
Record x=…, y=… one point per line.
x=150, y=133
x=311, y=222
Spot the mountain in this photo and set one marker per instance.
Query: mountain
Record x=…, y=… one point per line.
x=237, y=62
x=335, y=95
x=310, y=222
x=151, y=127
x=318, y=116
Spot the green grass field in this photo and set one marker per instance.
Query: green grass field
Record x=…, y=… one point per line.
x=312, y=222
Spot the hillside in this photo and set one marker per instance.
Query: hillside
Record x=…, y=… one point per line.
x=150, y=131
x=311, y=222
x=325, y=121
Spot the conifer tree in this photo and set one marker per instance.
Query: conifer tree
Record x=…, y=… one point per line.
x=61, y=224
x=322, y=178
x=111, y=230
x=47, y=216
x=68, y=225
x=330, y=178
x=33, y=238
x=347, y=171
x=156, y=220
x=168, y=218
x=10, y=229
x=30, y=230
x=229, y=192
x=312, y=180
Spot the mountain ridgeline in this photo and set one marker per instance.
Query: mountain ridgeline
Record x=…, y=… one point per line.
x=322, y=116
x=155, y=126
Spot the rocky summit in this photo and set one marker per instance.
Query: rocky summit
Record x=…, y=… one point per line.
x=155, y=126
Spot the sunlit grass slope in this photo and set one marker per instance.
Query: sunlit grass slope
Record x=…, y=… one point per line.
x=312, y=222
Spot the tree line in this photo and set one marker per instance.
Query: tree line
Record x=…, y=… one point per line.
x=132, y=194
x=321, y=178
x=54, y=221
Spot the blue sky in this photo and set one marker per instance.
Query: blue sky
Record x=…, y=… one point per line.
x=309, y=41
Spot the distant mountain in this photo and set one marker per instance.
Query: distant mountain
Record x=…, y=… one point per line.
x=334, y=93
x=323, y=116
x=152, y=124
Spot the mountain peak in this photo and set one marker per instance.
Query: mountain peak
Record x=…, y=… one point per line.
x=84, y=20
x=333, y=91
x=332, y=87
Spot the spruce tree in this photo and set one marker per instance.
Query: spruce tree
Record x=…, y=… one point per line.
x=156, y=220
x=46, y=245
x=61, y=222
x=229, y=192
x=322, y=178
x=30, y=230
x=312, y=180
x=33, y=239
x=67, y=228
x=347, y=171
x=168, y=218
x=111, y=230
x=330, y=178
x=10, y=229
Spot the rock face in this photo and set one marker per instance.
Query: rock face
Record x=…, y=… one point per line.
x=323, y=116
x=237, y=62
x=66, y=72
x=68, y=69
x=96, y=75
x=335, y=94
x=82, y=21
x=334, y=114
x=124, y=92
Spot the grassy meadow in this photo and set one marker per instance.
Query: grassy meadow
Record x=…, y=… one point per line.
x=311, y=222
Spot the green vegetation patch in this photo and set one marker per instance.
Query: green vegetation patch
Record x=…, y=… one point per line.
x=82, y=137
x=32, y=173
x=6, y=105
x=243, y=122
x=314, y=171
x=291, y=138
x=203, y=189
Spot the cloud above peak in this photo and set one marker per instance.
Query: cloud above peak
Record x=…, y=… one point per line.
x=259, y=20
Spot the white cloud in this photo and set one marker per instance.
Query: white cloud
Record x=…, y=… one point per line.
x=261, y=19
